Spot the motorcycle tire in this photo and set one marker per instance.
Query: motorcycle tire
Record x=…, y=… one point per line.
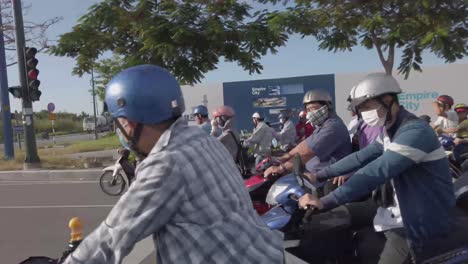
x=110, y=186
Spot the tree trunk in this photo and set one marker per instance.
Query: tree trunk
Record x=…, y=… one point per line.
x=388, y=68
x=386, y=63
x=390, y=59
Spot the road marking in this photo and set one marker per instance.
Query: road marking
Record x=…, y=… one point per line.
x=20, y=183
x=57, y=206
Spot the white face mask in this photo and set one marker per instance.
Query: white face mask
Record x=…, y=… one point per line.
x=371, y=118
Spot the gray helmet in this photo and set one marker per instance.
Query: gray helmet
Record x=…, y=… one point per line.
x=372, y=86
x=317, y=96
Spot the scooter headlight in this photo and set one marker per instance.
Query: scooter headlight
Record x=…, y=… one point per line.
x=274, y=191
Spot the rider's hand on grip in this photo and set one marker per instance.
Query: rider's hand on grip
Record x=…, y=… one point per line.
x=310, y=211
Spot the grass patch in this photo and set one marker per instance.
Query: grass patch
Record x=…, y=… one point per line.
x=55, y=158
x=47, y=162
x=107, y=142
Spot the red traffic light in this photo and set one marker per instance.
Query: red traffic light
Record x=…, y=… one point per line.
x=32, y=74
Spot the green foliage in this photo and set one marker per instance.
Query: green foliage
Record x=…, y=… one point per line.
x=186, y=37
x=438, y=26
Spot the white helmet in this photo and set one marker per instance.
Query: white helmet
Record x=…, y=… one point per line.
x=372, y=86
x=256, y=115
x=317, y=96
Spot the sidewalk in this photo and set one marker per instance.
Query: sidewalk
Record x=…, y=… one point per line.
x=111, y=154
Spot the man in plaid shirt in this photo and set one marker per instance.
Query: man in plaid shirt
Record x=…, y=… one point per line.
x=188, y=193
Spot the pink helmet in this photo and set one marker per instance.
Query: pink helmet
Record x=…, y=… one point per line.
x=224, y=111
x=216, y=113
x=445, y=99
x=303, y=113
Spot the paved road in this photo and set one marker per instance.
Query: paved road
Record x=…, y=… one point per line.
x=34, y=218
x=61, y=139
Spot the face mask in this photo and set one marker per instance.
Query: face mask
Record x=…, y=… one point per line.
x=319, y=116
x=130, y=145
x=371, y=118
x=282, y=120
x=122, y=139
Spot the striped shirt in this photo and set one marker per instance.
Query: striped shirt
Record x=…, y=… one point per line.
x=412, y=158
x=190, y=197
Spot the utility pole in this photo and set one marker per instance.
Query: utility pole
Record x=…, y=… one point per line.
x=32, y=159
x=94, y=104
x=5, y=101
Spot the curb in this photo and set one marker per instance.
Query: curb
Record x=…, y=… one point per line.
x=51, y=175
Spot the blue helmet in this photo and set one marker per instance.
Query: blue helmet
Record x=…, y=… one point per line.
x=201, y=110
x=145, y=94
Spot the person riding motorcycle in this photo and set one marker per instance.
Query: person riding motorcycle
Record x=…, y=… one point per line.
x=201, y=118
x=262, y=136
x=229, y=136
x=462, y=112
x=209, y=221
x=127, y=166
x=287, y=135
x=361, y=134
x=408, y=164
x=329, y=142
x=447, y=120
x=461, y=140
x=303, y=128
x=215, y=129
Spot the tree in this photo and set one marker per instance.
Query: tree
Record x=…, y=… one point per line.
x=82, y=115
x=437, y=26
x=104, y=71
x=186, y=37
x=35, y=32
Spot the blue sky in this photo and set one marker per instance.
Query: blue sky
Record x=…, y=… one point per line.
x=70, y=93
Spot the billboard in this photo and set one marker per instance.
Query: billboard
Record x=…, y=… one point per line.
x=419, y=90
x=270, y=96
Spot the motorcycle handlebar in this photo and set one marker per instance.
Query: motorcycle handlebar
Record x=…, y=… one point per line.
x=310, y=211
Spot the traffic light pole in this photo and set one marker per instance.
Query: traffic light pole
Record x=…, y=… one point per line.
x=32, y=159
x=94, y=104
x=5, y=99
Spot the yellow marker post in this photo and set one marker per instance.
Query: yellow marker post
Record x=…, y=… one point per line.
x=76, y=229
x=75, y=238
